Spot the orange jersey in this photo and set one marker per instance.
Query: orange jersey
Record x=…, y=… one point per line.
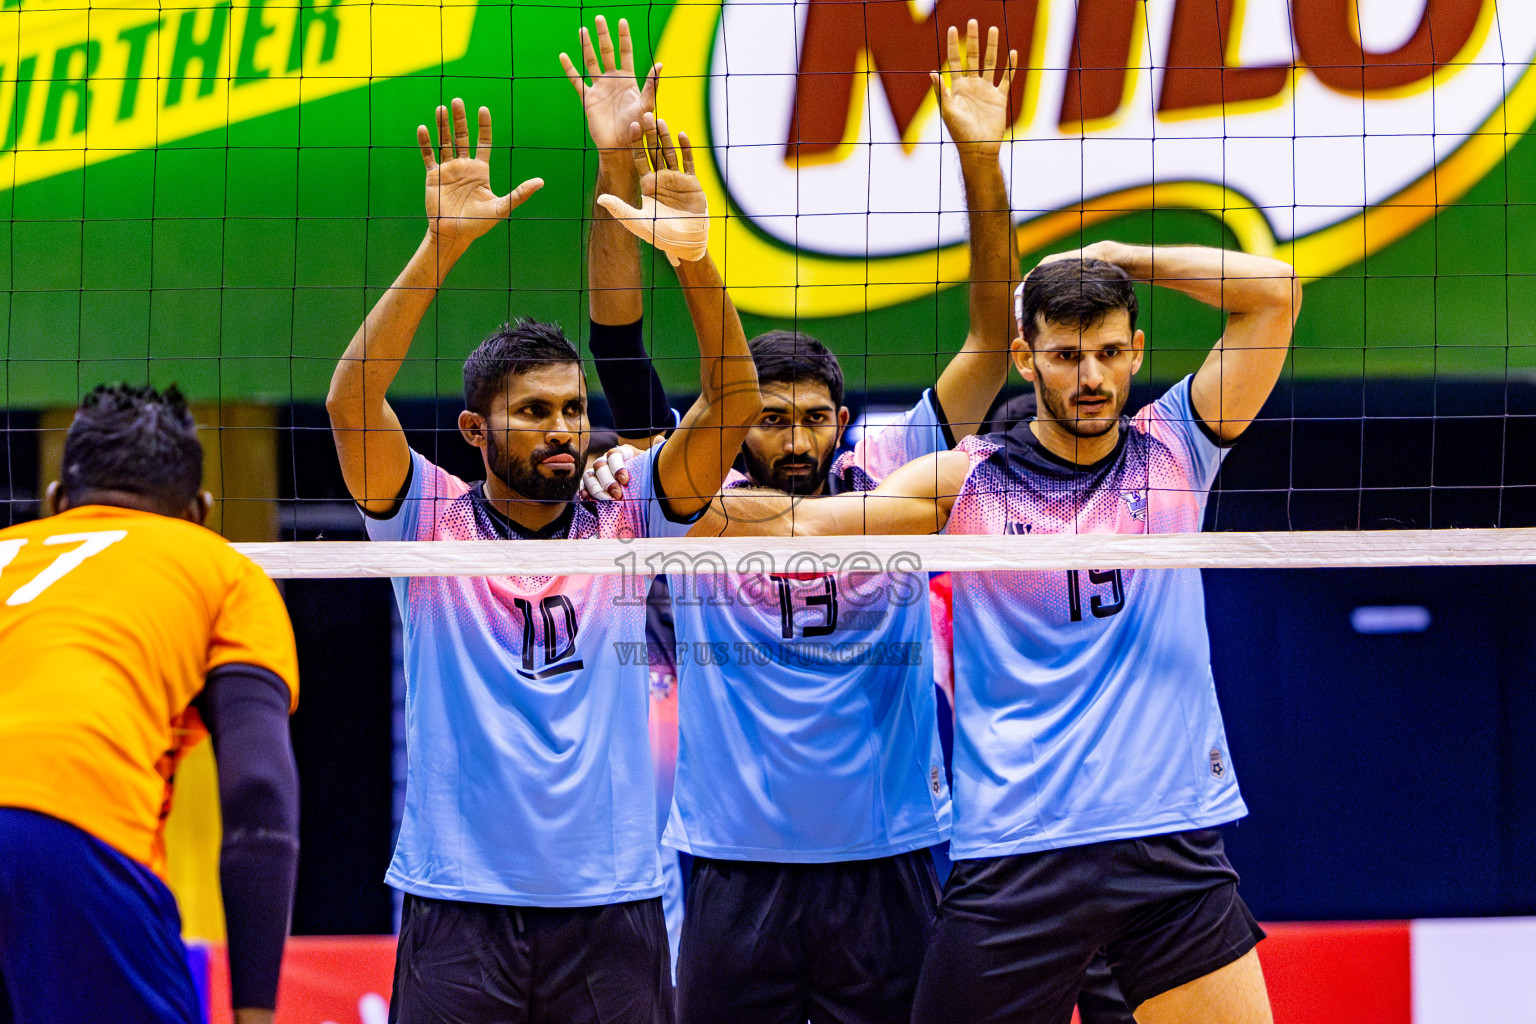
x=110, y=621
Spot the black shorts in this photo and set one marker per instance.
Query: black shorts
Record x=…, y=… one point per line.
x=834, y=943
x=467, y=963
x=1016, y=935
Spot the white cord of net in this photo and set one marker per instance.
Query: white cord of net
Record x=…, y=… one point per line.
x=1285, y=550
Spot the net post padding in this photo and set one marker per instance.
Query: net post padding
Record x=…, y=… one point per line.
x=1283, y=550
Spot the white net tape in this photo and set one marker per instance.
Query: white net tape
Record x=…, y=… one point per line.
x=1285, y=550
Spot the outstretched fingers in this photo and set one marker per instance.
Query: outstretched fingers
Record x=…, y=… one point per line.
x=444, y=136
x=483, y=143
x=626, y=49
x=460, y=128
x=637, y=148
x=605, y=45
x=972, y=44
x=652, y=140
x=1005, y=84
x=668, y=150
x=686, y=148
x=424, y=140
x=589, y=56
x=574, y=77
x=648, y=94
x=518, y=196
x=956, y=65
x=989, y=63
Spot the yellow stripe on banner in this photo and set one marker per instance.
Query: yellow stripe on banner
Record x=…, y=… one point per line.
x=193, y=835
x=80, y=84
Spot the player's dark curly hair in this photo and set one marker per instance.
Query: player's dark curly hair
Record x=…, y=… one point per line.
x=791, y=357
x=1074, y=293
x=137, y=440
x=513, y=350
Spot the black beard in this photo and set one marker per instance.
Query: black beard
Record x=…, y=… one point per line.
x=524, y=478
x=1071, y=424
x=773, y=476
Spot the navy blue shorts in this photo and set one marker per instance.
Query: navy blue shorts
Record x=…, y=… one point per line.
x=469, y=963
x=835, y=943
x=87, y=935
x=1016, y=936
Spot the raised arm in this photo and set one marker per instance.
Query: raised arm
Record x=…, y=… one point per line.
x=1261, y=297
x=460, y=208
x=975, y=110
x=613, y=102
x=917, y=498
x=674, y=217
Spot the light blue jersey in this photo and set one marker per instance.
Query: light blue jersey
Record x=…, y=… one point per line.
x=1085, y=706
x=807, y=726
x=529, y=778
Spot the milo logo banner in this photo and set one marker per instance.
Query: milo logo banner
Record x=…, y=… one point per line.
x=215, y=192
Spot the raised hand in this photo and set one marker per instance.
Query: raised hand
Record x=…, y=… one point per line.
x=461, y=205
x=612, y=101
x=673, y=214
x=974, y=106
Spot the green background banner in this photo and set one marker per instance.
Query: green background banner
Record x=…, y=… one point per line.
x=238, y=261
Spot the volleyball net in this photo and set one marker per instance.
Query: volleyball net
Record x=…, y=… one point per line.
x=216, y=193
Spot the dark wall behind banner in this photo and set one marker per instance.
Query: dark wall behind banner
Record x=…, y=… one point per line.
x=342, y=740
x=239, y=261
x=1387, y=776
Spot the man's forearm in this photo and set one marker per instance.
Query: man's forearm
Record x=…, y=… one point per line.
x=752, y=513
x=376, y=351
x=726, y=372
x=613, y=254
x=994, y=259
x=1235, y=282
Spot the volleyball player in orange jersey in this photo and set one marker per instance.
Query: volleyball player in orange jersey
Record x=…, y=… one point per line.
x=128, y=632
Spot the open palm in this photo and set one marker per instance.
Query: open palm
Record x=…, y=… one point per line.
x=461, y=205
x=974, y=107
x=673, y=214
x=612, y=102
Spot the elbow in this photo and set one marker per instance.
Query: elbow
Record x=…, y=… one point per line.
x=263, y=803
x=343, y=408
x=741, y=404
x=336, y=403
x=1293, y=295
x=1285, y=290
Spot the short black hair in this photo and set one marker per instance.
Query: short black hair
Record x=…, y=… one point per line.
x=137, y=440
x=793, y=357
x=514, y=349
x=1074, y=293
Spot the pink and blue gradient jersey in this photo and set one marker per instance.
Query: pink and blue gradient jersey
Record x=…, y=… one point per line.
x=807, y=728
x=529, y=777
x=1085, y=706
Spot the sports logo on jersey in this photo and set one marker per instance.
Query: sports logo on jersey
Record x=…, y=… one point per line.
x=1137, y=500
x=1014, y=529
x=1218, y=766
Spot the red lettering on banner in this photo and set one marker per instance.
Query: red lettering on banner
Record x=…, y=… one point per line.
x=902, y=51
x=1328, y=40
x=1100, y=59
x=1197, y=71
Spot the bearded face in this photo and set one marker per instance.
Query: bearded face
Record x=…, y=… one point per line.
x=791, y=446
x=537, y=475
x=532, y=436
x=1083, y=374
